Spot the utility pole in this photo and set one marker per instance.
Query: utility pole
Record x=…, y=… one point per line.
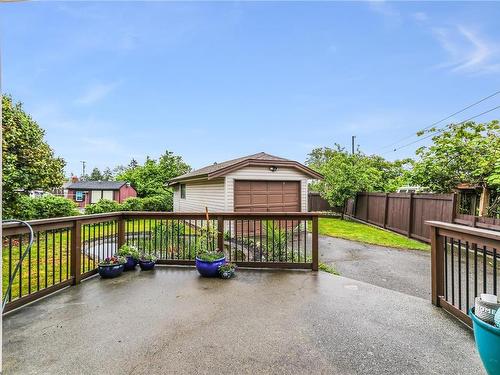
x=83, y=168
x=352, y=144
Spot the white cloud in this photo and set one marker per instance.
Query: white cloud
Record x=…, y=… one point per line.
x=95, y=92
x=420, y=16
x=385, y=9
x=468, y=51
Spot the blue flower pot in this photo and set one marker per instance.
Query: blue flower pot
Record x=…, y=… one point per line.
x=110, y=271
x=147, y=266
x=487, y=343
x=130, y=264
x=209, y=269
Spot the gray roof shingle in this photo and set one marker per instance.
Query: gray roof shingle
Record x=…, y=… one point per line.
x=96, y=185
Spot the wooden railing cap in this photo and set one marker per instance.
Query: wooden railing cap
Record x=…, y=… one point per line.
x=486, y=233
x=129, y=214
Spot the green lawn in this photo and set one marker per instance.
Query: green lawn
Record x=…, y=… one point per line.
x=351, y=230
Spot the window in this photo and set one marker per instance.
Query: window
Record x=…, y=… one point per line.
x=107, y=194
x=183, y=191
x=79, y=196
x=95, y=196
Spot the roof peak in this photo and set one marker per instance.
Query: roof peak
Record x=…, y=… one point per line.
x=217, y=168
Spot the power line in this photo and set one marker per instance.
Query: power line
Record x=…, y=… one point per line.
x=445, y=118
x=442, y=129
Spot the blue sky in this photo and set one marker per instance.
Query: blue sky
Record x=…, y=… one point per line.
x=213, y=81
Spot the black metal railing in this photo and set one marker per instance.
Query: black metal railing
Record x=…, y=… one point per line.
x=263, y=240
x=465, y=263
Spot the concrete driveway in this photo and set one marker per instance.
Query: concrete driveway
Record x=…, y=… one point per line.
x=406, y=271
x=171, y=321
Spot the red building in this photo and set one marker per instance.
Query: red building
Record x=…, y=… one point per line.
x=86, y=192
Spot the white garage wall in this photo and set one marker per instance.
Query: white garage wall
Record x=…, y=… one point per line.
x=263, y=173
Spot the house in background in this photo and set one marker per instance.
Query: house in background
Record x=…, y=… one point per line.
x=254, y=183
x=86, y=192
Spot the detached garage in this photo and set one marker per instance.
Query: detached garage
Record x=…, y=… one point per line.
x=254, y=183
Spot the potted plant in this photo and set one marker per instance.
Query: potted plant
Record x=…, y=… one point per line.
x=208, y=262
x=111, y=267
x=147, y=261
x=208, y=257
x=131, y=254
x=226, y=271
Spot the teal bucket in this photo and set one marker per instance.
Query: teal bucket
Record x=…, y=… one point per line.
x=487, y=343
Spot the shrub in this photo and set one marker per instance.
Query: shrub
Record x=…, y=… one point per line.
x=114, y=260
x=148, y=257
x=29, y=208
x=128, y=251
x=207, y=242
x=160, y=202
x=132, y=204
x=22, y=209
x=104, y=205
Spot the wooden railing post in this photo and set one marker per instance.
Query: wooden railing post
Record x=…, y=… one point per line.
x=121, y=232
x=410, y=215
x=220, y=233
x=76, y=252
x=437, y=265
x=315, y=260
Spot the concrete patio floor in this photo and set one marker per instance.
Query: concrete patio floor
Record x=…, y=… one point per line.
x=284, y=322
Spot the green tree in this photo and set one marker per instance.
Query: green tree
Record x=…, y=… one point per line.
x=462, y=153
x=395, y=174
x=107, y=175
x=96, y=175
x=150, y=179
x=28, y=160
x=346, y=174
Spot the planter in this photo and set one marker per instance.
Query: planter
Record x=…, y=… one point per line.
x=111, y=270
x=488, y=344
x=209, y=269
x=227, y=274
x=147, y=265
x=130, y=264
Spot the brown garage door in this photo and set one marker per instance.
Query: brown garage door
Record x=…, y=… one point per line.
x=267, y=196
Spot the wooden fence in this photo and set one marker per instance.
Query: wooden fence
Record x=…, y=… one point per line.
x=316, y=203
x=406, y=213
x=403, y=213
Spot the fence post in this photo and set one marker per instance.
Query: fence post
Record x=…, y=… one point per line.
x=386, y=205
x=121, y=232
x=437, y=265
x=367, y=206
x=355, y=206
x=76, y=252
x=220, y=233
x=453, y=207
x=314, y=243
x=410, y=215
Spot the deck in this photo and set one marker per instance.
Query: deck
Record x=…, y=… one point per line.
x=287, y=322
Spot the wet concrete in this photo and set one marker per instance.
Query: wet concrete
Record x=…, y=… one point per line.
x=406, y=271
x=272, y=322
